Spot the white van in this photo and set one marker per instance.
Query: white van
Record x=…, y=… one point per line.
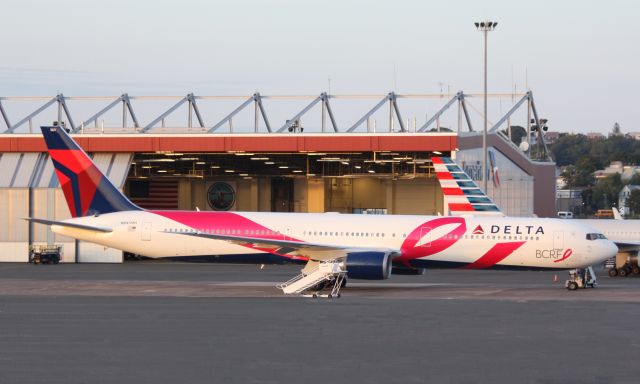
x=565, y=215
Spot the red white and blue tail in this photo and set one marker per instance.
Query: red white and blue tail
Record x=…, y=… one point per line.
x=87, y=190
x=462, y=196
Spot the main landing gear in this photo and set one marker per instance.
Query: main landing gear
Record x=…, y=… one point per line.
x=581, y=278
x=625, y=270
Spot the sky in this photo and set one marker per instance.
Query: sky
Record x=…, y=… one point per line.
x=580, y=58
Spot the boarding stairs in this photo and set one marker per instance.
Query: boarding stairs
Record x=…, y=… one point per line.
x=325, y=271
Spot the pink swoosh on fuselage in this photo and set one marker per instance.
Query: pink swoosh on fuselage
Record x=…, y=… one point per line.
x=225, y=222
x=496, y=254
x=410, y=251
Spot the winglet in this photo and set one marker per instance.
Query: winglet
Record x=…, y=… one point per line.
x=462, y=196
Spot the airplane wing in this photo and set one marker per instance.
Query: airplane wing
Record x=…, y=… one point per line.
x=627, y=245
x=70, y=225
x=294, y=249
x=462, y=196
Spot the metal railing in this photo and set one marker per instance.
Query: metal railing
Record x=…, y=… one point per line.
x=330, y=121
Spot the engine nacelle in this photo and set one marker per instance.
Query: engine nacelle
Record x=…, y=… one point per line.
x=369, y=265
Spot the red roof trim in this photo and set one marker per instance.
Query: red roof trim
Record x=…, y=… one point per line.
x=262, y=143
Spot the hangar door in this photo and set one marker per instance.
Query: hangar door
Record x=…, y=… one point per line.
x=281, y=195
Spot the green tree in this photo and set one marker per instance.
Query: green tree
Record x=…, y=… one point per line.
x=518, y=134
x=587, y=201
x=569, y=148
x=635, y=180
x=633, y=202
x=575, y=176
x=606, y=190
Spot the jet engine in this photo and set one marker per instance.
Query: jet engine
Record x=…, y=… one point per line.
x=369, y=265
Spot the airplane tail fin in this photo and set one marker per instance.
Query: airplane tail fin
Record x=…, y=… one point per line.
x=87, y=190
x=462, y=196
x=616, y=214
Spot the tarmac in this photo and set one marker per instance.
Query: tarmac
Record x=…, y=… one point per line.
x=162, y=322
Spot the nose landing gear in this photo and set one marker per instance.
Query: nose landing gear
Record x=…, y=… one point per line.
x=581, y=278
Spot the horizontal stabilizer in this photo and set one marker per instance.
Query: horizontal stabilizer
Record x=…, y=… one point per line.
x=70, y=225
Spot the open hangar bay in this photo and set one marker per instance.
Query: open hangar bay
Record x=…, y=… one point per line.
x=167, y=322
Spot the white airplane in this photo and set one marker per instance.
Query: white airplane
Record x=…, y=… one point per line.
x=333, y=246
x=626, y=235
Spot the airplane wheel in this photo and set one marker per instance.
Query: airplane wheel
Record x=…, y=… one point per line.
x=635, y=270
x=622, y=272
x=613, y=272
x=572, y=286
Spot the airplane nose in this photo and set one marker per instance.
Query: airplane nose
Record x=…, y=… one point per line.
x=608, y=249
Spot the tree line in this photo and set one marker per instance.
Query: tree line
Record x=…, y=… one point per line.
x=578, y=157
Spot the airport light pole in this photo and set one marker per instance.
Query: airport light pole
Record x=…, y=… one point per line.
x=485, y=27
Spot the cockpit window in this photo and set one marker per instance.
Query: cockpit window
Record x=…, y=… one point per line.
x=595, y=236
